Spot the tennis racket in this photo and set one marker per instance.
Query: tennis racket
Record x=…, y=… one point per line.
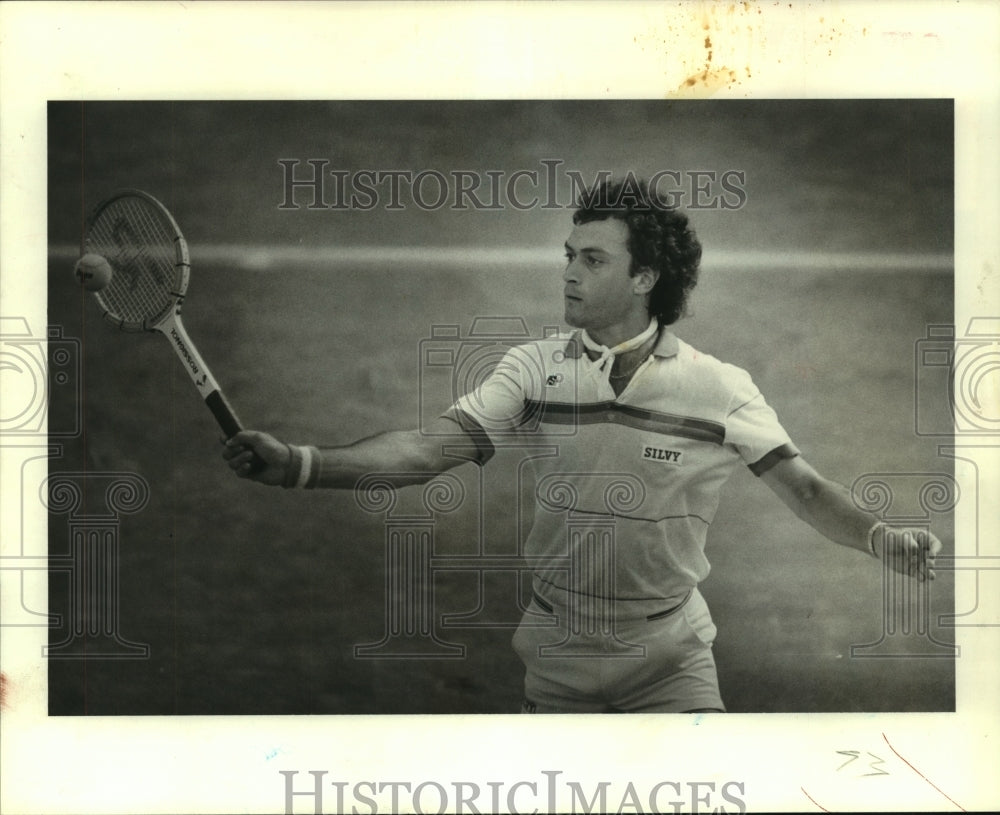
x=151, y=269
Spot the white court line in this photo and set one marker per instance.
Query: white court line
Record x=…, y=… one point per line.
x=262, y=257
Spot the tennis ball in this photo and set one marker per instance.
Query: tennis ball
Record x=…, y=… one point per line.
x=93, y=272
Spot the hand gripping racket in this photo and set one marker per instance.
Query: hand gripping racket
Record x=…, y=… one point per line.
x=150, y=266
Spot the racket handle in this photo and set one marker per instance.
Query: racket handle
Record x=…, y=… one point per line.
x=230, y=424
x=223, y=413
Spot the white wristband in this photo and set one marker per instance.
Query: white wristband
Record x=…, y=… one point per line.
x=306, y=469
x=871, y=537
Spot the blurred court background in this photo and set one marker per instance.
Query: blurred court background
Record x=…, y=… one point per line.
x=315, y=321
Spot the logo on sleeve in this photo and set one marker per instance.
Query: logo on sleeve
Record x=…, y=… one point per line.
x=554, y=380
x=661, y=454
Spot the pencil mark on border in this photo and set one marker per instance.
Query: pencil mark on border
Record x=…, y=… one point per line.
x=907, y=763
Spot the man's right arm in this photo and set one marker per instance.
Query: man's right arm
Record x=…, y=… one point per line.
x=414, y=457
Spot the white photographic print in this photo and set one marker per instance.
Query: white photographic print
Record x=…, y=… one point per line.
x=649, y=373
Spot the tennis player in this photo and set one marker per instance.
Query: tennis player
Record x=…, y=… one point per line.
x=647, y=429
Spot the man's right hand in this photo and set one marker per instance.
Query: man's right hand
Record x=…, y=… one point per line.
x=239, y=453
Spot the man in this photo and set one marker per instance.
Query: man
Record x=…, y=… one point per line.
x=643, y=430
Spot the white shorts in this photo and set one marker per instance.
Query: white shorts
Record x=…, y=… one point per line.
x=662, y=663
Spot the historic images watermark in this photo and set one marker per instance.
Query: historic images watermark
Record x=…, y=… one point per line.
x=35, y=369
x=43, y=407
x=963, y=367
x=551, y=793
x=312, y=183
x=960, y=367
x=909, y=500
x=453, y=363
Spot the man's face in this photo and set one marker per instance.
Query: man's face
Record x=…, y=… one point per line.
x=599, y=292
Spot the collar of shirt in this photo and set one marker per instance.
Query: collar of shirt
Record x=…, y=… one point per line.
x=666, y=346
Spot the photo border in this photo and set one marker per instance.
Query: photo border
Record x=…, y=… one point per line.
x=493, y=50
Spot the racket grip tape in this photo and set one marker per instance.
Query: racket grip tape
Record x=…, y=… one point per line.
x=223, y=413
x=230, y=424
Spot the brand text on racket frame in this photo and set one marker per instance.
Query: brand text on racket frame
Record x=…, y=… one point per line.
x=314, y=792
x=184, y=350
x=312, y=184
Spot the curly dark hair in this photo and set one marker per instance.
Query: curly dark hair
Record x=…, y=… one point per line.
x=659, y=238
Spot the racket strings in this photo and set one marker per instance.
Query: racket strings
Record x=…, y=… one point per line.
x=140, y=243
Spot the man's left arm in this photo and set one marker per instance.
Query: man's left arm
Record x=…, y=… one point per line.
x=828, y=508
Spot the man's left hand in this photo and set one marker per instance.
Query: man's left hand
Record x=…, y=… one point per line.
x=908, y=550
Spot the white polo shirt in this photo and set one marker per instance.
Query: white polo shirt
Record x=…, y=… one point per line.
x=626, y=485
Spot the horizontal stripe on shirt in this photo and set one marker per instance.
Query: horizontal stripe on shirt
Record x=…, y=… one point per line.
x=629, y=416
